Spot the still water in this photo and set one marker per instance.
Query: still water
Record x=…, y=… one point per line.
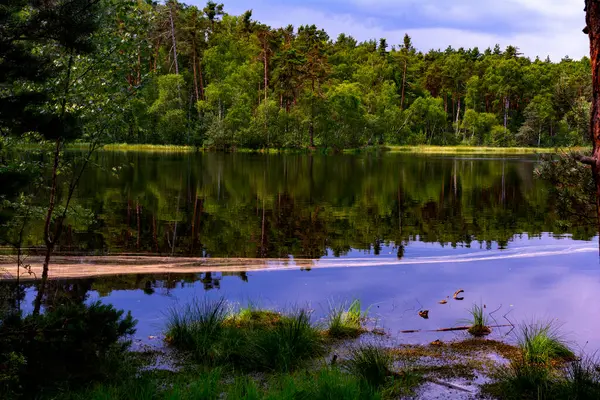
x=401, y=232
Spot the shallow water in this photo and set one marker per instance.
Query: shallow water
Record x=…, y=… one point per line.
x=400, y=232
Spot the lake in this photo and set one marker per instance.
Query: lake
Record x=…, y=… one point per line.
x=402, y=232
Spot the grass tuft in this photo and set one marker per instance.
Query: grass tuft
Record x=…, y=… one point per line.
x=371, y=363
x=197, y=327
x=286, y=345
x=346, y=321
x=252, y=339
x=541, y=343
x=479, y=322
x=547, y=368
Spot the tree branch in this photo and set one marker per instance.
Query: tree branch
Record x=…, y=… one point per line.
x=585, y=159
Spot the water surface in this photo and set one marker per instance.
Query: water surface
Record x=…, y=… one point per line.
x=399, y=231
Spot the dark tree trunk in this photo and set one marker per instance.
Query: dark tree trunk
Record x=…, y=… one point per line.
x=403, y=86
x=195, y=76
x=592, y=29
x=48, y=240
x=174, y=40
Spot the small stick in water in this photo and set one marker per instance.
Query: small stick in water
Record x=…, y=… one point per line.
x=457, y=293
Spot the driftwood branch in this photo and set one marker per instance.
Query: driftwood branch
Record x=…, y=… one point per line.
x=457, y=328
x=585, y=159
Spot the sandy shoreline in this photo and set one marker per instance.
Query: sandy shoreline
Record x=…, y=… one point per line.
x=91, y=266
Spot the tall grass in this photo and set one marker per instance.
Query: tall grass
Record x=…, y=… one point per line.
x=286, y=345
x=198, y=326
x=325, y=384
x=582, y=379
x=547, y=368
x=322, y=384
x=345, y=321
x=151, y=148
x=371, y=363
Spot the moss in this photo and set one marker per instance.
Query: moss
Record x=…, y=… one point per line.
x=254, y=319
x=459, y=349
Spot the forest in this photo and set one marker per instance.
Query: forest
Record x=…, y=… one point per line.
x=226, y=81
x=182, y=75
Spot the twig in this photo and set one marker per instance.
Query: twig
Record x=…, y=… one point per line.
x=449, y=385
x=492, y=314
x=510, y=322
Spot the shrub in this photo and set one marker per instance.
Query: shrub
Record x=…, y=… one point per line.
x=72, y=344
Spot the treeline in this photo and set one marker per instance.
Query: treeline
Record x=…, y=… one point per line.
x=206, y=78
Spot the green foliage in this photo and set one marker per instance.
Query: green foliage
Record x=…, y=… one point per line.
x=320, y=384
x=477, y=127
x=77, y=344
x=572, y=185
x=501, y=137
x=427, y=120
x=234, y=82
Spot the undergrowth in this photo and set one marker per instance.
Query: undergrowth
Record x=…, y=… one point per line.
x=546, y=369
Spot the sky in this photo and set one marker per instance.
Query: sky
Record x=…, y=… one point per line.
x=537, y=27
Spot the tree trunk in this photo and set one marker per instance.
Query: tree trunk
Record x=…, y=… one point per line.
x=403, y=85
x=593, y=30
x=311, y=127
x=458, y=119
x=195, y=76
x=201, y=79
x=174, y=40
x=49, y=241
x=506, y=107
x=266, y=64
x=138, y=211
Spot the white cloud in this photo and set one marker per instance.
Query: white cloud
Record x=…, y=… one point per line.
x=536, y=27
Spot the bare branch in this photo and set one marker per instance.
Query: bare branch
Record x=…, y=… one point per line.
x=585, y=159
